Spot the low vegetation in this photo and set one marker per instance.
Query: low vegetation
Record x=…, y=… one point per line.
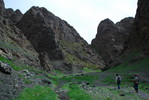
x=88, y=85
x=89, y=70
x=132, y=67
x=76, y=53
x=37, y=93
x=76, y=93
x=17, y=68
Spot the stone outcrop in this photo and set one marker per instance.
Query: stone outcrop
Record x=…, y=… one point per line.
x=4, y=67
x=2, y=7
x=110, y=38
x=58, y=44
x=15, y=46
x=130, y=35
x=139, y=37
x=14, y=16
x=13, y=43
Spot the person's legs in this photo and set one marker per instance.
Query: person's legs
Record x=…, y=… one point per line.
x=118, y=84
x=136, y=87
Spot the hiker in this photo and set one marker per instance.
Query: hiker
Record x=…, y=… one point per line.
x=118, y=80
x=136, y=82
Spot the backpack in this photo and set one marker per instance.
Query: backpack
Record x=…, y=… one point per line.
x=118, y=79
x=136, y=80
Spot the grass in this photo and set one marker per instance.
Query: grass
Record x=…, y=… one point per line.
x=17, y=68
x=110, y=93
x=27, y=81
x=8, y=45
x=56, y=74
x=139, y=66
x=79, y=78
x=78, y=54
x=21, y=76
x=15, y=47
x=126, y=82
x=88, y=70
x=76, y=93
x=127, y=69
x=37, y=93
x=109, y=79
x=92, y=66
x=144, y=87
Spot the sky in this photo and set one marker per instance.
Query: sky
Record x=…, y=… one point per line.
x=83, y=15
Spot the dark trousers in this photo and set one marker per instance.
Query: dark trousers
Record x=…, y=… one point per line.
x=136, y=87
x=118, y=84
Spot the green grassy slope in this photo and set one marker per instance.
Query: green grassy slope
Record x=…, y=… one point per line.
x=138, y=66
x=133, y=62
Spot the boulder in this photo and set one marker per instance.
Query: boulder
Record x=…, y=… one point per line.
x=4, y=67
x=122, y=94
x=46, y=81
x=26, y=73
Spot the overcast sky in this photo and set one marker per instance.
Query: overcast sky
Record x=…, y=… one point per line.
x=83, y=15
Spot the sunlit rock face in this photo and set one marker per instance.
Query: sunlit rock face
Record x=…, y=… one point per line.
x=110, y=38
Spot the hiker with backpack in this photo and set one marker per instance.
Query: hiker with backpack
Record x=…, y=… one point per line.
x=118, y=80
x=136, y=82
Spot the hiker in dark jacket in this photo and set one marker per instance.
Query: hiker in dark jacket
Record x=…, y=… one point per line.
x=136, y=82
x=118, y=80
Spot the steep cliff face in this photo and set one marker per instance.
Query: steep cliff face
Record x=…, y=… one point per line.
x=58, y=44
x=129, y=35
x=2, y=8
x=139, y=37
x=14, y=16
x=110, y=38
x=14, y=45
x=53, y=43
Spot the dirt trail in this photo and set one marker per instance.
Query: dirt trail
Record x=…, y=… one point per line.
x=143, y=77
x=143, y=95
x=108, y=88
